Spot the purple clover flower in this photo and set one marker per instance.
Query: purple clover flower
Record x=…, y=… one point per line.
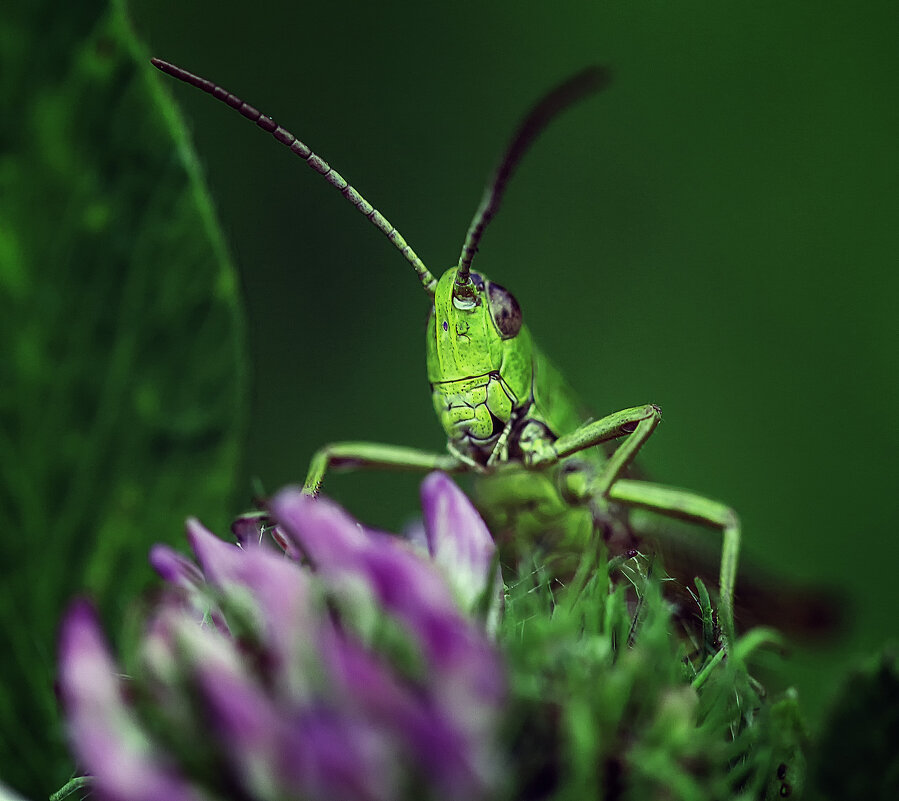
x=347, y=664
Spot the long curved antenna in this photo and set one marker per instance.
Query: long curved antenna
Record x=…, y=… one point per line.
x=316, y=162
x=554, y=103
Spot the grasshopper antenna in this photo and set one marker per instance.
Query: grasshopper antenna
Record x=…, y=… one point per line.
x=576, y=88
x=317, y=163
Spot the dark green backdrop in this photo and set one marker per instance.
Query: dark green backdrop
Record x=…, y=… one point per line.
x=717, y=234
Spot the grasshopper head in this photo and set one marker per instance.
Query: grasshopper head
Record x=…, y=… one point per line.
x=468, y=326
x=475, y=319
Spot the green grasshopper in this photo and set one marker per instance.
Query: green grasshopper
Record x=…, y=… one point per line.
x=509, y=416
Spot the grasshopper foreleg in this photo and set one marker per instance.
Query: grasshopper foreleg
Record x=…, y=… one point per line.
x=363, y=455
x=639, y=422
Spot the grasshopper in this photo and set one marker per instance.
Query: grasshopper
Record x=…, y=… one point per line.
x=543, y=474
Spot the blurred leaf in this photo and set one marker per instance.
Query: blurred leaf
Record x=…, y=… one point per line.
x=856, y=752
x=122, y=378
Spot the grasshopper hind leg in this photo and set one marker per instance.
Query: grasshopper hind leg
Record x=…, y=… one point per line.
x=686, y=505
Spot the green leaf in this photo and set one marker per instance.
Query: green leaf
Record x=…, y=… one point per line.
x=122, y=378
x=855, y=754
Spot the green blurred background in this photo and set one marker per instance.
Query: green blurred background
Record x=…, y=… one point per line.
x=717, y=233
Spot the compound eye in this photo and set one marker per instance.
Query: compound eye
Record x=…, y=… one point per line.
x=504, y=309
